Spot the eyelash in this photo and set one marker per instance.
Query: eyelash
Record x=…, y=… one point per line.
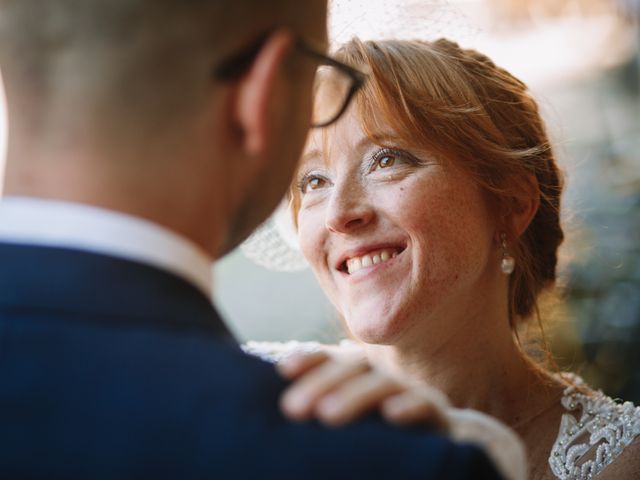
x=306, y=179
x=378, y=155
x=374, y=160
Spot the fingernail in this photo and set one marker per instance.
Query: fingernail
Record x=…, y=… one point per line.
x=329, y=406
x=295, y=403
x=396, y=407
x=285, y=368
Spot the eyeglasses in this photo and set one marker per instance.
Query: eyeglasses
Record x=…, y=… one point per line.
x=335, y=83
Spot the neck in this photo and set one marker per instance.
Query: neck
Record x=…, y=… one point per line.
x=153, y=190
x=478, y=365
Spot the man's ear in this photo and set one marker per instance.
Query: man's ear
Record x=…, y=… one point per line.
x=256, y=94
x=522, y=208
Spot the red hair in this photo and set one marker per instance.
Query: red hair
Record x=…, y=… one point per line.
x=459, y=105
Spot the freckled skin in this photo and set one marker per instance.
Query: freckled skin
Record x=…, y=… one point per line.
x=448, y=270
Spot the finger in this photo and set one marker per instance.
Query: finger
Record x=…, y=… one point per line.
x=299, y=400
x=298, y=364
x=412, y=408
x=355, y=398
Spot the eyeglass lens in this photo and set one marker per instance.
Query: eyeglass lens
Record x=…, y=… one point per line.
x=332, y=88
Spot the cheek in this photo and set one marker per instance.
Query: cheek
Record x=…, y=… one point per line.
x=312, y=238
x=309, y=238
x=450, y=228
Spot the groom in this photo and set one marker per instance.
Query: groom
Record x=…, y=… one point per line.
x=147, y=138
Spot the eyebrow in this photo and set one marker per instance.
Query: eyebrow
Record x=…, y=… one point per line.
x=309, y=155
x=381, y=138
x=375, y=139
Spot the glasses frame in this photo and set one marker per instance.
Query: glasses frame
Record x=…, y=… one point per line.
x=236, y=65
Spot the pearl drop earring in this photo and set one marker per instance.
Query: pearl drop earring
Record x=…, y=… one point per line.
x=508, y=263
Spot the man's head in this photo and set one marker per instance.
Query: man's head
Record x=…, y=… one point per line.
x=114, y=103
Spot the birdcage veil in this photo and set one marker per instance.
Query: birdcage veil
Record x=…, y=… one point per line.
x=398, y=19
x=274, y=244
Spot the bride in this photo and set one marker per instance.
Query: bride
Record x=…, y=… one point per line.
x=430, y=216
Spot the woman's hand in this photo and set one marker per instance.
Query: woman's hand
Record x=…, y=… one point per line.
x=340, y=389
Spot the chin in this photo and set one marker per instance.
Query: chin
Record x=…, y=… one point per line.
x=378, y=329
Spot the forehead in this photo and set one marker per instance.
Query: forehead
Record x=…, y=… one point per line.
x=345, y=139
x=325, y=143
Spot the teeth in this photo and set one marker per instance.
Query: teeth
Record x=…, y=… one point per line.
x=354, y=265
x=358, y=263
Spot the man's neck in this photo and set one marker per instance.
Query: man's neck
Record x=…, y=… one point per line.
x=156, y=191
x=40, y=222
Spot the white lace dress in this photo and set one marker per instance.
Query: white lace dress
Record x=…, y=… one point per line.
x=593, y=432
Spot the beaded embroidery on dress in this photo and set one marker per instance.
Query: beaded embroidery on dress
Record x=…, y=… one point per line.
x=592, y=434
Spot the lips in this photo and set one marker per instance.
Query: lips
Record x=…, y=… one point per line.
x=363, y=258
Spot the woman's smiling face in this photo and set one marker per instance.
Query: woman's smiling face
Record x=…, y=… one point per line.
x=397, y=238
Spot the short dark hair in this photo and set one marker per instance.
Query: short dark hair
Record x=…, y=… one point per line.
x=145, y=57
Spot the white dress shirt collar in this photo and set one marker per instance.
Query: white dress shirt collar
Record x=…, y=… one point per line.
x=33, y=221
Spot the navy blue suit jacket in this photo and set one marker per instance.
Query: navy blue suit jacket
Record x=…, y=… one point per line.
x=114, y=369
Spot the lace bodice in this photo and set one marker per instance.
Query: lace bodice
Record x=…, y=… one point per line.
x=593, y=432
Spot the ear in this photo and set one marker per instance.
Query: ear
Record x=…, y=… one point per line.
x=519, y=213
x=256, y=94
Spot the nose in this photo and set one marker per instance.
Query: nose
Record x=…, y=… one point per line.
x=349, y=208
